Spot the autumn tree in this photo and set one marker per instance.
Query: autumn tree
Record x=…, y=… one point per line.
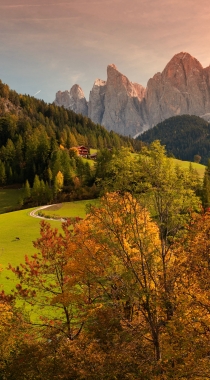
x=191, y=331
x=104, y=280
x=168, y=192
x=43, y=283
x=122, y=265
x=116, y=170
x=58, y=183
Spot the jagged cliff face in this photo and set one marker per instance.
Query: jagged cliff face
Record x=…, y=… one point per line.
x=122, y=103
x=73, y=100
x=96, y=106
x=180, y=89
x=128, y=108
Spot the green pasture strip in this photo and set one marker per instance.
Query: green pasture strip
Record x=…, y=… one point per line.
x=89, y=161
x=92, y=150
x=9, y=199
x=13, y=225
x=185, y=165
x=69, y=209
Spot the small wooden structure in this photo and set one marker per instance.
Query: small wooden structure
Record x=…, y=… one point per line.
x=83, y=151
x=93, y=156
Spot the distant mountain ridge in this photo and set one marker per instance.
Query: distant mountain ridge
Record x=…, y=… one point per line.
x=130, y=109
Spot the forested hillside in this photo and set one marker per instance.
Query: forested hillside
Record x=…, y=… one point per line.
x=183, y=136
x=32, y=133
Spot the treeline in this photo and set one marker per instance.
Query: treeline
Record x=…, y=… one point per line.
x=185, y=137
x=34, y=136
x=122, y=294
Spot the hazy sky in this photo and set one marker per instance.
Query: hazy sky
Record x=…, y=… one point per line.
x=49, y=45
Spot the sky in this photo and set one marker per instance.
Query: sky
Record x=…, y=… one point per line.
x=49, y=45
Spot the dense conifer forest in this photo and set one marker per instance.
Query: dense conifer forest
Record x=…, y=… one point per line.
x=36, y=141
x=184, y=137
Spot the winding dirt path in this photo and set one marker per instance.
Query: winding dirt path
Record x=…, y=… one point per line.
x=34, y=215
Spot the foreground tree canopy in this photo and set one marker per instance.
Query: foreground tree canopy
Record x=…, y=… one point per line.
x=122, y=294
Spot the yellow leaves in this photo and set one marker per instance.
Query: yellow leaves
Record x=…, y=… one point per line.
x=6, y=314
x=59, y=179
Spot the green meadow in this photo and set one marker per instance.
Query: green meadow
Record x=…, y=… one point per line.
x=185, y=165
x=68, y=209
x=13, y=225
x=19, y=224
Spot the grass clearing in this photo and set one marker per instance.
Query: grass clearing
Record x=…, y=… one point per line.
x=13, y=225
x=19, y=224
x=69, y=209
x=185, y=165
x=90, y=162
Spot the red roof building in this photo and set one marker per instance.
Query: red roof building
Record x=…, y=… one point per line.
x=82, y=151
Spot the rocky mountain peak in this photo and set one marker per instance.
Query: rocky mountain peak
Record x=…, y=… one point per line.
x=122, y=103
x=112, y=66
x=73, y=100
x=76, y=92
x=182, y=64
x=183, y=87
x=99, y=82
x=120, y=83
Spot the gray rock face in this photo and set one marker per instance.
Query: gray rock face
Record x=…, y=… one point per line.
x=129, y=109
x=122, y=104
x=96, y=105
x=182, y=88
x=73, y=100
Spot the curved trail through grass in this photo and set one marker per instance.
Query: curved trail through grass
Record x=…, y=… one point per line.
x=34, y=215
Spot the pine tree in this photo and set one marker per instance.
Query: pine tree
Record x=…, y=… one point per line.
x=2, y=173
x=36, y=190
x=206, y=187
x=27, y=190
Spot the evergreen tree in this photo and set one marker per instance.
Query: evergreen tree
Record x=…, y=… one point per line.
x=49, y=176
x=2, y=173
x=36, y=190
x=206, y=187
x=27, y=190
x=48, y=193
x=9, y=173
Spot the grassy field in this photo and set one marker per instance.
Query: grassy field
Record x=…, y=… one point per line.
x=12, y=225
x=185, y=165
x=68, y=209
x=19, y=224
